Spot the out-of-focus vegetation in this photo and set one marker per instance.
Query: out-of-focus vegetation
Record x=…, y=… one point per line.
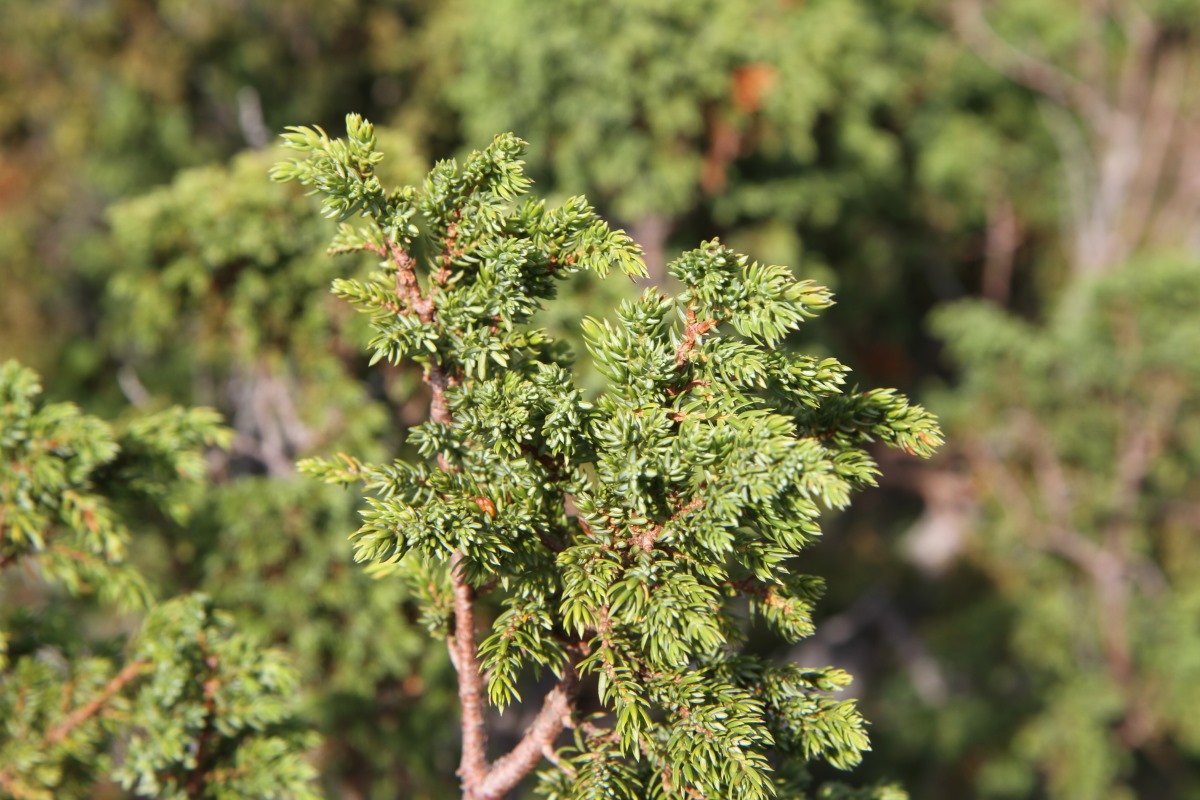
x=1004, y=195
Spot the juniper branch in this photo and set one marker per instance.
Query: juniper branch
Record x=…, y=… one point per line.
x=89, y=709
x=538, y=740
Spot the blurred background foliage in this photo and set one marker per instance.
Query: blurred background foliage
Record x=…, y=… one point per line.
x=1004, y=195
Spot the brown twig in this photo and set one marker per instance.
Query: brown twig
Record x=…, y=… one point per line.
x=439, y=381
x=91, y=708
x=537, y=742
x=692, y=331
x=473, y=767
x=645, y=537
x=408, y=289
x=442, y=276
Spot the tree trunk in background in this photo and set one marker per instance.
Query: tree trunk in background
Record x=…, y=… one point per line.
x=1127, y=129
x=651, y=232
x=1000, y=250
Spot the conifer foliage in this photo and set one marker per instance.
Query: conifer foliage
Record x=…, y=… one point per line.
x=1096, y=503
x=620, y=543
x=194, y=708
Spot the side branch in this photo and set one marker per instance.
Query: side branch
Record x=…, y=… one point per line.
x=407, y=287
x=89, y=709
x=692, y=331
x=538, y=740
x=465, y=655
x=439, y=381
x=646, y=536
